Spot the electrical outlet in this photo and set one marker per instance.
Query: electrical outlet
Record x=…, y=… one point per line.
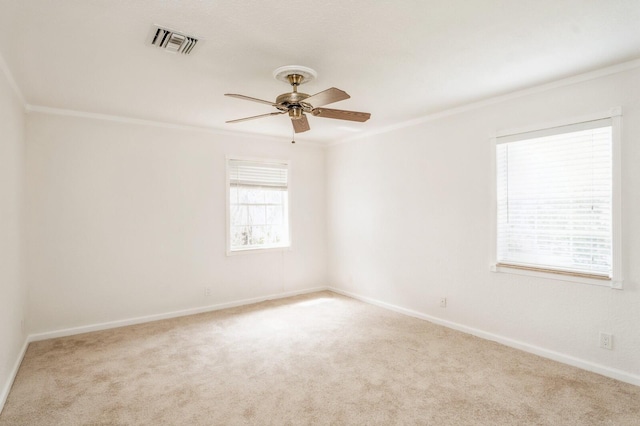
x=207, y=291
x=606, y=341
x=443, y=302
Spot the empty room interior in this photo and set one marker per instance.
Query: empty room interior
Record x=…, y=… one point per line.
x=335, y=212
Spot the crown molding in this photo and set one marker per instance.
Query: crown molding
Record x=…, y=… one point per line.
x=591, y=75
x=154, y=123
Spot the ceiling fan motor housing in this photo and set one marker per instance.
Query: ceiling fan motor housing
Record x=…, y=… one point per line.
x=293, y=102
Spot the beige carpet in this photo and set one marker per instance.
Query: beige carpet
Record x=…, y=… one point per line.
x=314, y=359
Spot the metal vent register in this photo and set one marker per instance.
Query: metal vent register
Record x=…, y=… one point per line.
x=172, y=41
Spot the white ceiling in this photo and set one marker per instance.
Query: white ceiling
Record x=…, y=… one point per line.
x=399, y=60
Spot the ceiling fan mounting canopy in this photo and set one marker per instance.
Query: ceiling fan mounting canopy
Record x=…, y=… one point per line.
x=296, y=104
x=283, y=73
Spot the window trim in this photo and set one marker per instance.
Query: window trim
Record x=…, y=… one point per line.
x=230, y=252
x=616, y=282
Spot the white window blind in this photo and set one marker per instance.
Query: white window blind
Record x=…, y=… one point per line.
x=257, y=174
x=554, y=194
x=258, y=205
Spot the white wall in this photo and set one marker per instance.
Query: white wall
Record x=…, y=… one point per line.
x=409, y=218
x=12, y=289
x=127, y=220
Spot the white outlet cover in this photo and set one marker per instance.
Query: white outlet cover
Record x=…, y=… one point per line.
x=606, y=341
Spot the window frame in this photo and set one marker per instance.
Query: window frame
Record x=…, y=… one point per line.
x=616, y=281
x=289, y=246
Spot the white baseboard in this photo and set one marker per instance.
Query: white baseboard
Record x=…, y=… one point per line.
x=14, y=372
x=148, y=318
x=613, y=373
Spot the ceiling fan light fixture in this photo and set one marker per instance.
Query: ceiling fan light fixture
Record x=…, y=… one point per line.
x=295, y=113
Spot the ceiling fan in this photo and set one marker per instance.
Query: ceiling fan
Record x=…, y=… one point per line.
x=298, y=104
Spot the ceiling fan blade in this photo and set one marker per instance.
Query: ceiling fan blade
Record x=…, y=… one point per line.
x=300, y=124
x=254, y=117
x=341, y=114
x=327, y=97
x=249, y=98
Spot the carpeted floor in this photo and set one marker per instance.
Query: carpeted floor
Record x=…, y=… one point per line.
x=313, y=359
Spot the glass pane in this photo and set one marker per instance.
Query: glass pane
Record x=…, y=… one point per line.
x=257, y=215
x=238, y=195
x=273, y=197
x=275, y=234
x=258, y=235
x=240, y=236
x=239, y=215
x=274, y=215
x=255, y=196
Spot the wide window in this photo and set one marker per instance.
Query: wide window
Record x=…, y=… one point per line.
x=555, y=200
x=258, y=204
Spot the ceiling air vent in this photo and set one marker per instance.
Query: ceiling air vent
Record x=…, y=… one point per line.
x=172, y=41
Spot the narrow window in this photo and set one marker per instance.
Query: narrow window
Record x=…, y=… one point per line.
x=258, y=206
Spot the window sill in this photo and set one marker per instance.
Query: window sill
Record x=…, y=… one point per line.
x=614, y=284
x=258, y=250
